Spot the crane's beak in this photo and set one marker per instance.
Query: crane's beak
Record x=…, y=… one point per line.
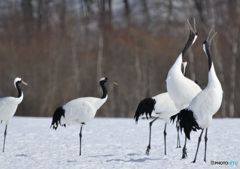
x=24, y=83
x=113, y=82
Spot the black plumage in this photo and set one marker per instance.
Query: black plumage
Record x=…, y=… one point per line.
x=59, y=112
x=145, y=106
x=186, y=121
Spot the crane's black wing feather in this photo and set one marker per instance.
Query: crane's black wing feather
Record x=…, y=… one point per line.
x=186, y=121
x=59, y=112
x=145, y=106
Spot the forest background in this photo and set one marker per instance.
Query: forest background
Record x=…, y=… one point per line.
x=61, y=48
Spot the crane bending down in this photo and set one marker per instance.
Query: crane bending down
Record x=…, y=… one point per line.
x=80, y=110
x=198, y=115
x=160, y=106
x=8, y=106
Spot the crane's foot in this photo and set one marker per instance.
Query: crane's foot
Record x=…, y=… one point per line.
x=184, y=153
x=148, y=150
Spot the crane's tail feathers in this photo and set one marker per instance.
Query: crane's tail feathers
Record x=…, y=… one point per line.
x=172, y=118
x=145, y=106
x=186, y=121
x=59, y=112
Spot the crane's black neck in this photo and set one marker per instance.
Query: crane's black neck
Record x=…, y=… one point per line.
x=102, y=84
x=18, y=89
x=189, y=42
x=208, y=54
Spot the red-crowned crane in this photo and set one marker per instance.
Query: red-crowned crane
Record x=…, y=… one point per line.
x=80, y=110
x=8, y=106
x=160, y=106
x=198, y=115
x=180, y=88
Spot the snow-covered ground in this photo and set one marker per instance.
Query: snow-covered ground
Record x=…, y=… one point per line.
x=113, y=143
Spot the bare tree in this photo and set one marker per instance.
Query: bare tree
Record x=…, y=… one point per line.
x=27, y=11
x=233, y=41
x=200, y=8
x=62, y=16
x=40, y=14
x=100, y=55
x=127, y=7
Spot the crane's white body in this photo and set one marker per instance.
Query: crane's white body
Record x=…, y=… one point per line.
x=164, y=107
x=180, y=89
x=204, y=105
x=207, y=102
x=8, y=107
x=160, y=106
x=81, y=110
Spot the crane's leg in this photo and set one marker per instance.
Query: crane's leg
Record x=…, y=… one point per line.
x=150, y=132
x=184, y=150
x=178, y=138
x=165, y=134
x=80, y=137
x=199, y=140
x=5, y=134
x=205, y=144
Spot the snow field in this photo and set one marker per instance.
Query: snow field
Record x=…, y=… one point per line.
x=113, y=143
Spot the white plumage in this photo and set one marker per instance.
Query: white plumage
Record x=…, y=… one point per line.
x=8, y=105
x=164, y=107
x=181, y=89
x=80, y=110
x=207, y=102
x=160, y=106
x=201, y=109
